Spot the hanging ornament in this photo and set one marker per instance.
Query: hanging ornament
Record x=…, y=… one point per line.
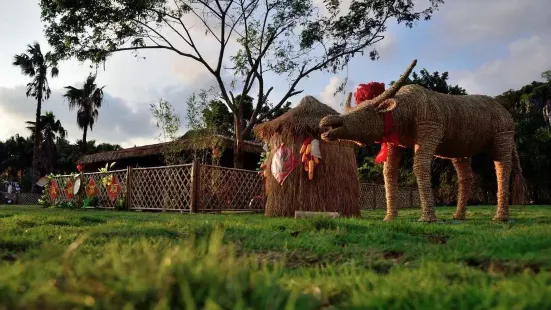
x=283, y=163
x=113, y=189
x=69, y=190
x=215, y=153
x=311, y=155
x=91, y=189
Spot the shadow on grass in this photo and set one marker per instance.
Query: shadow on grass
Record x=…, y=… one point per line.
x=136, y=232
x=17, y=245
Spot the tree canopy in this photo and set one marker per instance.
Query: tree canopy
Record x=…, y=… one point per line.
x=293, y=38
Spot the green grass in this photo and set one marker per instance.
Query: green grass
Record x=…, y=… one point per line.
x=67, y=259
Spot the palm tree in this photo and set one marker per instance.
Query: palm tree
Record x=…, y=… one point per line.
x=88, y=100
x=36, y=65
x=52, y=130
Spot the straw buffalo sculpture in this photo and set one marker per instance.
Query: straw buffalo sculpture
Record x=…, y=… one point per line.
x=433, y=124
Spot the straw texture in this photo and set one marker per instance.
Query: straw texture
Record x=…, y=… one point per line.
x=465, y=182
x=435, y=124
x=335, y=186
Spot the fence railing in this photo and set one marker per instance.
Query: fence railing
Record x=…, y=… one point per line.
x=193, y=188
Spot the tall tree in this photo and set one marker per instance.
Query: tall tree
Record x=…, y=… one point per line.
x=87, y=100
x=294, y=38
x=37, y=66
x=51, y=131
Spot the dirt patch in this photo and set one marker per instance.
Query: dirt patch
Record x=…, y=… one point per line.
x=26, y=224
x=9, y=257
x=59, y=223
x=503, y=267
x=436, y=239
x=295, y=234
x=392, y=255
x=92, y=220
x=16, y=246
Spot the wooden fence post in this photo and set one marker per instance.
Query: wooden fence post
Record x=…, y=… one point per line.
x=374, y=187
x=411, y=197
x=195, y=186
x=81, y=190
x=128, y=199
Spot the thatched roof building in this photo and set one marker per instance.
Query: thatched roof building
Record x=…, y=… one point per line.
x=334, y=187
x=152, y=155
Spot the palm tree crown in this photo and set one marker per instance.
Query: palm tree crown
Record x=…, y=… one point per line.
x=87, y=100
x=35, y=65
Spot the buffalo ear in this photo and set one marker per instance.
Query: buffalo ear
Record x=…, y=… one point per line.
x=386, y=106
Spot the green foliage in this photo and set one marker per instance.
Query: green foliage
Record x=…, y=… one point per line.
x=435, y=82
x=168, y=123
x=533, y=129
x=50, y=261
x=213, y=116
x=546, y=75
x=51, y=132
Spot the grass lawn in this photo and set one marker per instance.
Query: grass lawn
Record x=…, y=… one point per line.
x=68, y=259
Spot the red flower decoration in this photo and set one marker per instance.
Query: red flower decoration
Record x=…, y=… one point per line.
x=80, y=167
x=368, y=91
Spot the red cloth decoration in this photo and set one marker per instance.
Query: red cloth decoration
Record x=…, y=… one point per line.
x=283, y=163
x=92, y=189
x=54, y=190
x=69, y=190
x=113, y=189
x=368, y=91
x=388, y=137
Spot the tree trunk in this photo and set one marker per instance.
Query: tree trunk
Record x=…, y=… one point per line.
x=238, y=140
x=36, y=146
x=84, y=143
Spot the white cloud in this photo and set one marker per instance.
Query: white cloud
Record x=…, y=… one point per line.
x=526, y=59
x=117, y=122
x=472, y=20
x=336, y=101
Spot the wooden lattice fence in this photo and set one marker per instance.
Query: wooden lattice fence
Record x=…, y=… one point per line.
x=224, y=189
x=160, y=188
x=195, y=188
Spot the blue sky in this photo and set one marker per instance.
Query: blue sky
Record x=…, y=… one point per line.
x=487, y=46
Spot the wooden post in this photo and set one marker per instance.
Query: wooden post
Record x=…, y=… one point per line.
x=81, y=190
x=411, y=197
x=128, y=189
x=374, y=191
x=195, y=186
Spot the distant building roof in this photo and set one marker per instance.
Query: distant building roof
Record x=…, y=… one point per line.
x=190, y=141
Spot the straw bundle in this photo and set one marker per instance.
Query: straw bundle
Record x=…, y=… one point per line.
x=335, y=186
x=435, y=124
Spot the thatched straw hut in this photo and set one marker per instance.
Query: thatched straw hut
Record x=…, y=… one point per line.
x=334, y=187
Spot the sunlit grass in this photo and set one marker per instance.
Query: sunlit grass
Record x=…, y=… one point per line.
x=67, y=259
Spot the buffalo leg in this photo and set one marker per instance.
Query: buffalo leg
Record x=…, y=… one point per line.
x=464, y=181
x=429, y=136
x=502, y=154
x=390, y=173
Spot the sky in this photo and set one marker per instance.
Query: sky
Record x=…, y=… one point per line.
x=487, y=47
